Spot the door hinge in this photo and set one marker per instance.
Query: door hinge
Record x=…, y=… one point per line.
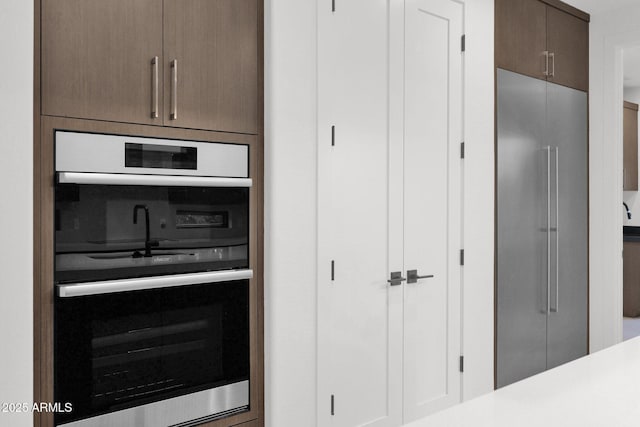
x=461, y=363
x=463, y=43
x=461, y=256
x=462, y=150
x=333, y=405
x=333, y=136
x=333, y=270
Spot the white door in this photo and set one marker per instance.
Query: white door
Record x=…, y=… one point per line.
x=359, y=314
x=432, y=204
x=388, y=201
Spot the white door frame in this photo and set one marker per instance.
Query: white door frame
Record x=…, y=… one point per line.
x=605, y=182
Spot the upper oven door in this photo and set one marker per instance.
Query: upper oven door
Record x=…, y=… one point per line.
x=147, y=207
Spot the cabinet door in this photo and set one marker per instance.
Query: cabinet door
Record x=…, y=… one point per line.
x=214, y=83
x=521, y=36
x=97, y=59
x=630, y=177
x=568, y=41
x=631, y=278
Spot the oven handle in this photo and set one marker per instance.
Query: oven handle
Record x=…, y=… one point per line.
x=157, y=180
x=157, y=282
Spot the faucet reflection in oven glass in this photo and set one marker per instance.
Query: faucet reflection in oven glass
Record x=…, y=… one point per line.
x=148, y=243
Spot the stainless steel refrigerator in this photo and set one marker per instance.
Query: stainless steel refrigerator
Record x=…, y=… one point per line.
x=542, y=226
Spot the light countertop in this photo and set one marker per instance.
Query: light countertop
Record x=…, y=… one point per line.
x=599, y=390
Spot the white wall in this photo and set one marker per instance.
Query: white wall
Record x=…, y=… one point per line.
x=290, y=213
x=16, y=139
x=479, y=181
x=610, y=32
x=631, y=197
x=290, y=226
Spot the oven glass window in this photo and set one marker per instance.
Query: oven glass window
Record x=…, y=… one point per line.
x=107, y=232
x=116, y=351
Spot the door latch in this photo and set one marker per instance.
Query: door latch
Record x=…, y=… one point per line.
x=396, y=278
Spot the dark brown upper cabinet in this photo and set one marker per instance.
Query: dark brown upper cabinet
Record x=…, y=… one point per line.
x=547, y=39
x=521, y=36
x=97, y=59
x=630, y=132
x=568, y=42
x=211, y=52
x=179, y=63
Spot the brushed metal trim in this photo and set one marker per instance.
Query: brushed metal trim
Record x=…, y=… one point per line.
x=155, y=282
x=177, y=410
x=150, y=180
x=105, y=153
x=555, y=310
x=548, y=149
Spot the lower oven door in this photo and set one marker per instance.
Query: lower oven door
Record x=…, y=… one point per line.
x=153, y=357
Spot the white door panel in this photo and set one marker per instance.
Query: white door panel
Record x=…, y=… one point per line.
x=432, y=204
x=360, y=319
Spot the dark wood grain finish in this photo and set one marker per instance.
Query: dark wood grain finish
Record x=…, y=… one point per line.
x=630, y=138
x=37, y=344
x=568, y=9
x=520, y=36
x=630, y=105
x=44, y=285
x=215, y=43
x=148, y=131
x=253, y=423
x=631, y=279
x=96, y=58
x=260, y=184
x=568, y=40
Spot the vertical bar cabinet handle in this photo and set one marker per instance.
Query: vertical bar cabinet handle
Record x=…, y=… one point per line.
x=555, y=310
x=546, y=62
x=154, y=88
x=174, y=90
x=548, y=148
x=553, y=64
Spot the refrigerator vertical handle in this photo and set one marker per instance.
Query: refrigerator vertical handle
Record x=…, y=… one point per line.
x=548, y=148
x=555, y=309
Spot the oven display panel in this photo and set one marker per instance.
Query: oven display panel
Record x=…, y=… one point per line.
x=160, y=156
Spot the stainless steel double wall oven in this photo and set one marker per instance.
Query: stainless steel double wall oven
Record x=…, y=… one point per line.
x=152, y=276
